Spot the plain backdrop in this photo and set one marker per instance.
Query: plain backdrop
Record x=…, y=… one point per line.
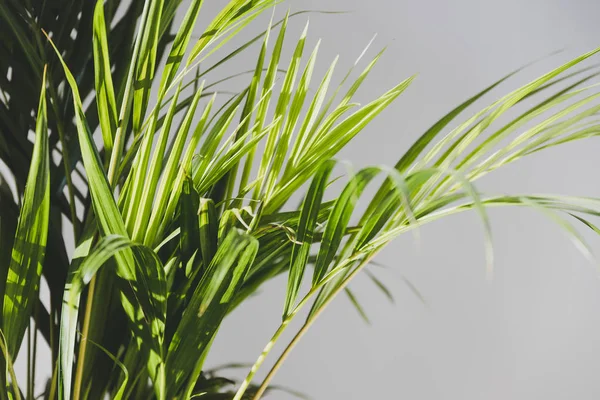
x=533, y=331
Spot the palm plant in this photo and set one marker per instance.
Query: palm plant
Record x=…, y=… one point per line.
x=178, y=198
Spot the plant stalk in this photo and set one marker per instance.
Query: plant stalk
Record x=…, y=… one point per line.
x=259, y=361
x=83, y=343
x=306, y=326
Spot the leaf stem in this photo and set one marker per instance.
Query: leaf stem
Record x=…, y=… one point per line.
x=314, y=290
x=83, y=343
x=306, y=326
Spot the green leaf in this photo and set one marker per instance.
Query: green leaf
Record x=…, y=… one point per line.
x=380, y=285
x=424, y=140
x=208, y=306
x=146, y=176
x=357, y=305
x=29, y=246
x=79, y=276
x=222, y=163
x=539, y=109
x=278, y=141
x=304, y=138
x=216, y=134
x=231, y=15
x=9, y=214
x=146, y=62
x=143, y=307
x=179, y=46
x=172, y=180
x=338, y=221
x=189, y=238
x=306, y=227
x=330, y=143
x=105, y=94
x=151, y=289
x=14, y=387
x=121, y=390
x=484, y=118
x=261, y=113
x=126, y=98
x=208, y=229
x=245, y=119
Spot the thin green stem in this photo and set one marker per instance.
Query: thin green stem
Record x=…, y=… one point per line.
x=85, y=329
x=306, y=326
x=54, y=383
x=262, y=357
x=34, y=352
x=314, y=290
x=83, y=343
x=54, y=353
x=3, y=393
x=283, y=356
x=9, y=367
x=29, y=358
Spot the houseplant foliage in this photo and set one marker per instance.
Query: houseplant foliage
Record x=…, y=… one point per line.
x=178, y=198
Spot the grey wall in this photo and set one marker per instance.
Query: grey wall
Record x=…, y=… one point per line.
x=530, y=333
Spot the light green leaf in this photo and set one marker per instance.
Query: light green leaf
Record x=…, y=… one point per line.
x=306, y=227
x=29, y=248
x=146, y=62
x=182, y=39
x=105, y=94
x=339, y=219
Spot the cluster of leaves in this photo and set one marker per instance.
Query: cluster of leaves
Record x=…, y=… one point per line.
x=182, y=211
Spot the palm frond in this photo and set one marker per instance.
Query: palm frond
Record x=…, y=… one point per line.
x=179, y=194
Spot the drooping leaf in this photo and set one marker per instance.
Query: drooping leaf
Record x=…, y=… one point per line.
x=359, y=308
x=146, y=62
